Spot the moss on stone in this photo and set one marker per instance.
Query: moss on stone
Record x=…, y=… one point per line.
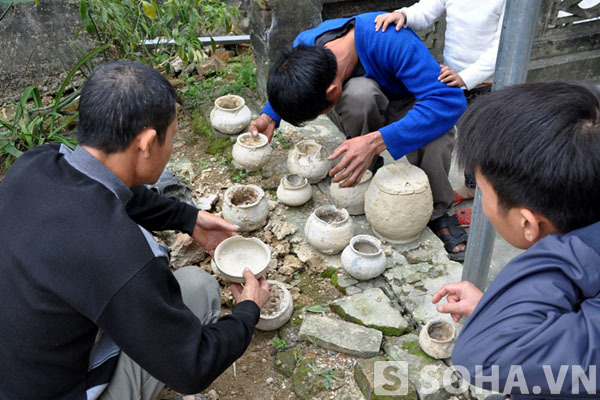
x=328, y=273
x=412, y=347
x=388, y=331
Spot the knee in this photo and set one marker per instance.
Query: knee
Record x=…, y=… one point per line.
x=360, y=94
x=193, y=279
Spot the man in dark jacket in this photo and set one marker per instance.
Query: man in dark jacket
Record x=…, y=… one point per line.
x=535, y=150
x=90, y=308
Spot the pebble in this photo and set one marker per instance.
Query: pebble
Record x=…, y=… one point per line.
x=270, y=381
x=244, y=368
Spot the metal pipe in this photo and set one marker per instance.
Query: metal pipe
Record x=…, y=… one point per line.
x=516, y=40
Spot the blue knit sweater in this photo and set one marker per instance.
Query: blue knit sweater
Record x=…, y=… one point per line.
x=401, y=64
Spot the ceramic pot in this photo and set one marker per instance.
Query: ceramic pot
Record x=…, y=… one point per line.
x=352, y=198
x=309, y=159
x=251, y=152
x=230, y=115
x=278, y=318
x=236, y=253
x=363, y=258
x=329, y=229
x=246, y=206
x=398, y=202
x=294, y=190
x=437, y=338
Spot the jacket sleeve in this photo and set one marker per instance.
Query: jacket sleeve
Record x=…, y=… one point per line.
x=423, y=14
x=541, y=313
x=148, y=320
x=485, y=65
x=156, y=213
x=438, y=106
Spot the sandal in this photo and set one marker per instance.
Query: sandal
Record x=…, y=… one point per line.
x=457, y=235
x=463, y=215
x=171, y=186
x=461, y=194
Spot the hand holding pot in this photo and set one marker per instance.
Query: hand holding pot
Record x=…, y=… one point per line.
x=462, y=299
x=359, y=155
x=211, y=230
x=263, y=124
x=253, y=289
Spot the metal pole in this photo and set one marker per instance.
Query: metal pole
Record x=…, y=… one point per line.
x=518, y=31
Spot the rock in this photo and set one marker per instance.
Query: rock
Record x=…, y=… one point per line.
x=344, y=337
x=364, y=375
x=406, y=348
x=210, y=64
x=291, y=264
x=285, y=362
x=373, y=309
x=185, y=251
x=306, y=254
x=272, y=205
x=212, y=395
x=176, y=65
x=344, y=280
x=350, y=290
x=270, y=381
x=281, y=229
x=364, y=285
x=305, y=381
x=207, y=203
x=183, y=168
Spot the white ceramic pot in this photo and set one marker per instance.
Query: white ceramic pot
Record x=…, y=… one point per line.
x=251, y=152
x=309, y=159
x=294, y=190
x=230, y=115
x=275, y=320
x=236, y=253
x=352, y=198
x=363, y=258
x=398, y=202
x=437, y=338
x=329, y=229
x=246, y=206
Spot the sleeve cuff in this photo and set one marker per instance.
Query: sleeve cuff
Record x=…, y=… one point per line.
x=190, y=214
x=271, y=113
x=248, y=308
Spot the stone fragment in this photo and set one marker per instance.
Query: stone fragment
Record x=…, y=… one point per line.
x=281, y=229
x=344, y=280
x=350, y=290
x=290, y=265
x=185, y=251
x=307, y=383
x=364, y=376
x=285, y=362
x=207, y=203
x=344, y=337
x=372, y=308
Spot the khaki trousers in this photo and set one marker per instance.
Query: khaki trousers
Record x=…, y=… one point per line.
x=200, y=292
x=364, y=108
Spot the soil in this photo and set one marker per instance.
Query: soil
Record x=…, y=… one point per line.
x=310, y=149
x=230, y=103
x=330, y=216
x=366, y=248
x=251, y=141
x=275, y=299
x=244, y=197
x=440, y=331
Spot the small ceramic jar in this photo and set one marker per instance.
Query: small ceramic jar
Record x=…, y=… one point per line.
x=230, y=115
x=437, y=338
x=294, y=190
x=352, y=198
x=275, y=320
x=251, y=152
x=398, y=202
x=309, y=159
x=363, y=258
x=329, y=229
x=246, y=206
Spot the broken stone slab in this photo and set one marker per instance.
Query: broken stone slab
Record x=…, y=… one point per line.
x=307, y=255
x=185, y=251
x=426, y=373
x=364, y=376
x=285, y=362
x=344, y=280
x=281, y=229
x=350, y=290
x=373, y=309
x=207, y=203
x=341, y=336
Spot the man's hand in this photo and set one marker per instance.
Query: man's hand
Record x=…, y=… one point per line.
x=255, y=290
x=462, y=299
x=449, y=76
x=211, y=230
x=263, y=124
x=359, y=154
x=383, y=20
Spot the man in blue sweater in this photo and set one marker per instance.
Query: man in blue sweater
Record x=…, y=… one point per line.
x=535, y=150
x=382, y=91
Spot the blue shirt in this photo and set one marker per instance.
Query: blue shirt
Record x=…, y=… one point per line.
x=402, y=65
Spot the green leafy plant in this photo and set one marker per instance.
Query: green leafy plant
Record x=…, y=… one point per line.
x=174, y=25
x=281, y=140
x=318, y=309
x=328, y=374
x=34, y=124
x=278, y=343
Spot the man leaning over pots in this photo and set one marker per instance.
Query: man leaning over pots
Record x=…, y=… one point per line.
x=382, y=91
x=90, y=308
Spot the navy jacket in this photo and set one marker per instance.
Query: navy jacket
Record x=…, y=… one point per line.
x=543, y=309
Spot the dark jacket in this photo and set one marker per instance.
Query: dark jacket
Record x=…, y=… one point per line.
x=543, y=309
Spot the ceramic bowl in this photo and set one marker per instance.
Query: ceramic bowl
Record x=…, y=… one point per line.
x=234, y=254
x=437, y=338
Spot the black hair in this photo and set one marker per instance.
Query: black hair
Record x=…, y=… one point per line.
x=119, y=100
x=538, y=145
x=298, y=83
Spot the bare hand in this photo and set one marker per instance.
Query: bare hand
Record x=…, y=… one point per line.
x=451, y=77
x=359, y=155
x=461, y=297
x=255, y=290
x=263, y=124
x=211, y=230
x=383, y=20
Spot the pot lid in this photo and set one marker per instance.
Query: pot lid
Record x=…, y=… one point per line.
x=401, y=178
